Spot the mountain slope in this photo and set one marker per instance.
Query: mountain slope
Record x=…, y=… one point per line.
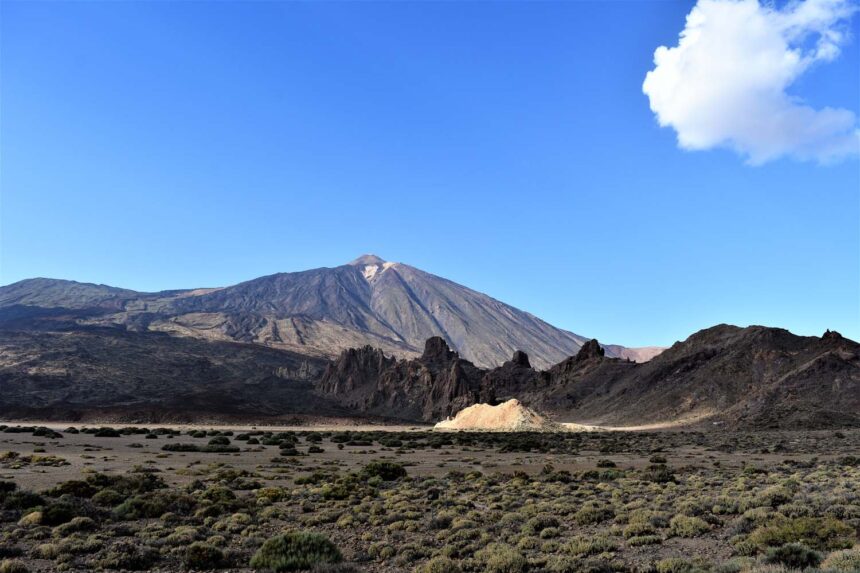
x=319, y=312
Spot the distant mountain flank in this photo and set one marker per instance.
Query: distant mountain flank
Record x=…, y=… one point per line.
x=319, y=312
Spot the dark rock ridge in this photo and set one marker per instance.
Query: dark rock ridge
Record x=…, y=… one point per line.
x=725, y=376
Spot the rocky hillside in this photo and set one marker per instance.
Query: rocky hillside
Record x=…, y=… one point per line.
x=111, y=374
x=319, y=312
x=725, y=376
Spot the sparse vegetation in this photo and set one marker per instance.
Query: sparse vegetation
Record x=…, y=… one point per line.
x=295, y=551
x=432, y=503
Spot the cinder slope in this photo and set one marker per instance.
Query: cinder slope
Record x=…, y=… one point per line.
x=418, y=305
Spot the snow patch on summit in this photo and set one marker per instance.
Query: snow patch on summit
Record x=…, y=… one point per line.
x=371, y=271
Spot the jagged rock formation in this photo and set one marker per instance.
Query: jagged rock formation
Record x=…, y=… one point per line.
x=426, y=388
x=319, y=312
x=724, y=376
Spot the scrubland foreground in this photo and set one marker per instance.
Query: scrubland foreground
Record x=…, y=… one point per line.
x=105, y=499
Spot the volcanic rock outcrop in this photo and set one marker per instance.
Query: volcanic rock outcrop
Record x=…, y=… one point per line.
x=426, y=388
x=725, y=376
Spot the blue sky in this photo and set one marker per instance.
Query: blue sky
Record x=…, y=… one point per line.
x=506, y=146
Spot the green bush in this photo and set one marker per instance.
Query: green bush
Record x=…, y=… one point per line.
x=127, y=554
x=295, y=551
x=387, y=471
x=502, y=558
x=177, y=447
x=155, y=504
x=57, y=513
x=684, y=526
x=847, y=560
x=638, y=528
x=815, y=532
x=793, y=555
x=22, y=500
x=658, y=473
x=8, y=566
x=209, y=448
x=592, y=515
x=75, y=525
x=674, y=565
x=76, y=488
x=774, y=497
x=586, y=545
x=538, y=523
x=201, y=555
x=108, y=497
x=439, y=565
x=106, y=433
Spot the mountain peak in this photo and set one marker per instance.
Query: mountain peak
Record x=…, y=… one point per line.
x=368, y=259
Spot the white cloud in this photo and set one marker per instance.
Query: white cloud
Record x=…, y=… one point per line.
x=724, y=84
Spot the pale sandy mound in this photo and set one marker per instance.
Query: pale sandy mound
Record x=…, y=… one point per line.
x=510, y=416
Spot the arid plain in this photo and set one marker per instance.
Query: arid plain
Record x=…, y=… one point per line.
x=134, y=498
